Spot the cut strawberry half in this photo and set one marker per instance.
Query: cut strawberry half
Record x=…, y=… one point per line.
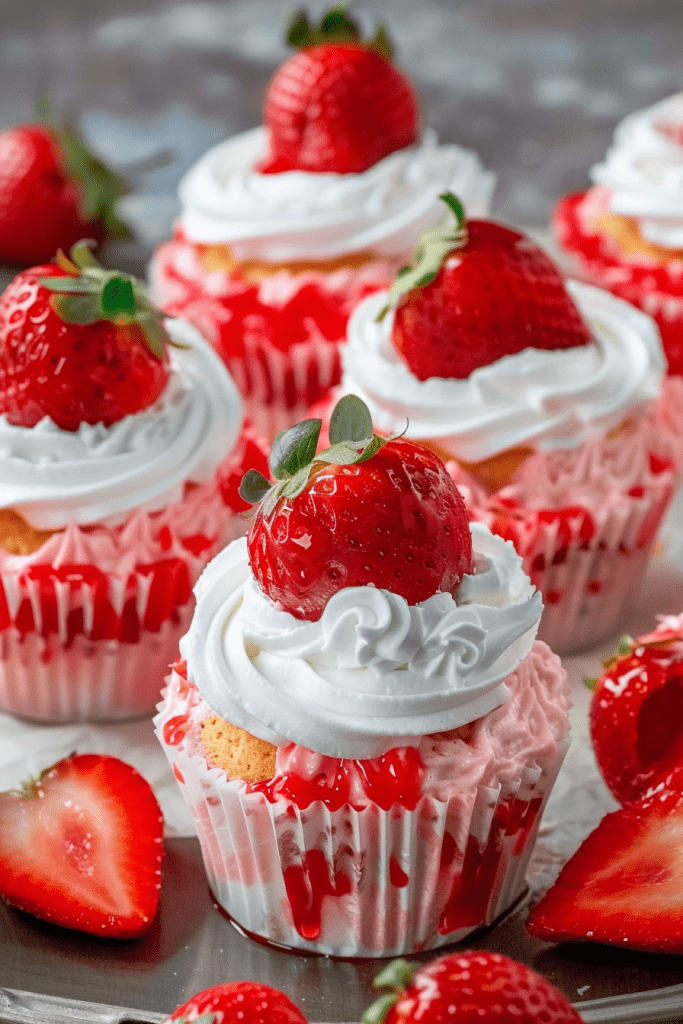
x=623, y=886
x=82, y=845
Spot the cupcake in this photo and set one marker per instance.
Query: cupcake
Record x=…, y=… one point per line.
x=285, y=228
x=362, y=724
x=548, y=404
x=122, y=444
x=625, y=232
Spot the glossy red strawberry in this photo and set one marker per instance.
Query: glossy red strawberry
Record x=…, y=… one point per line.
x=78, y=344
x=248, y=1002
x=82, y=845
x=366, y=511
x=53, y=192
x=479, y=291
x=338, y=104
x=470, y=988
x=623, y=885
x=636, y=715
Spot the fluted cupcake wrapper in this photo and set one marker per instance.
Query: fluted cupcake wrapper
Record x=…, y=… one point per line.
x=361, y=882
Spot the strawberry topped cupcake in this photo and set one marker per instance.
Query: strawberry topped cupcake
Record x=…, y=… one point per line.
x=283, y=229
x=625, y=232
x=121, y=450
x=363, y=725
x=547, y=402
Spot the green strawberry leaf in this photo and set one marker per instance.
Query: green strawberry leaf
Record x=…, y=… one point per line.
x=254, y=487
x=350, y=421
x=294, y=448
x=336, y=26
x=77, y=309
x=377, y=1011
x=430, y=254
x=396, y=975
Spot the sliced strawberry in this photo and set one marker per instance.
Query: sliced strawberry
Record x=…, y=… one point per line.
x=82, y=845
x=623, y=885
x=479, y=291
x=338, y=105
x=636, y=714
x=324, y=526
x=248, y=1002
x=53, y=191
x=79, y=344
x=470, y=988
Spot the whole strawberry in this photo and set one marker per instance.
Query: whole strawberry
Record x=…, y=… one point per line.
x=478, y=291
x=53, y=192
x=248, y=1002
x=470, y=988
x=636, y=713
x=366, y=511
x=82, y=845
x=78, y=344
x=338, y=104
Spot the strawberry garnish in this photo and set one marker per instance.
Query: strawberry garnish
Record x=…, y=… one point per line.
x=636, y=714
x=82, y=845
x=624, y=883
x=338, y=104
x=478, y=291
x=248, y=1002
x=79, y=344
x=470, y=988
x=366, y=511
x=53, y=191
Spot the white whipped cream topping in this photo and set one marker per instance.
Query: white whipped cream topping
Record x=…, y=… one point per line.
x=374, y=672
x=643, y=170
x=98, y=474
x=298, y=215
x=542, y=399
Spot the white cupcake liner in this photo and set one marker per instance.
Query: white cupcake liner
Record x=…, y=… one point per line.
x=375, y=883
x=278, y=388
x=588, y=591
x=89, y=680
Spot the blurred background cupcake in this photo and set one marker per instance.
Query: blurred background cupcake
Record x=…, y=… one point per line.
x=366, y=751
x=625, y=232
x=549, y=405
x=284, y=228
x=122, y=443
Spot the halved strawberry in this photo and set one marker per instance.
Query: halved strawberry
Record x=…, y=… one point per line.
x=470, y=987
x=623, y=885
x=366, y=511
x=636, y=713
x=338, y=104
x=82, y=845
x=248, y=1002
x=79, y=344
x=479, y=291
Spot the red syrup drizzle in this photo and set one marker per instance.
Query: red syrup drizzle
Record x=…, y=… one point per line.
x=471, y=890
x=394, y=778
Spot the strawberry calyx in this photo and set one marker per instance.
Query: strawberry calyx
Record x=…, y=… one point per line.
x=395, y=977
x=89, y=293
x=293, y=458
x=430, y=253
x=336, y=27
x=666, y=643
x=100, y=187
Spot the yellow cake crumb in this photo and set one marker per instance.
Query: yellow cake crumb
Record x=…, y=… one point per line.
x=626, y=233
x=17, y=536
x=220, y=257
x=240, y=754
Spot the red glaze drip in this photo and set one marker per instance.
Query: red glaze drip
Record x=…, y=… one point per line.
x=306, y=884
x=397, y=875
x=391, y=778
x=471, y=890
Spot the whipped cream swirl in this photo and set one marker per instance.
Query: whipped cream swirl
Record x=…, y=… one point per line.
x=643, y=170
x=299, y=215
x=98, y=474
x=374, y=672
x=542, y=399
